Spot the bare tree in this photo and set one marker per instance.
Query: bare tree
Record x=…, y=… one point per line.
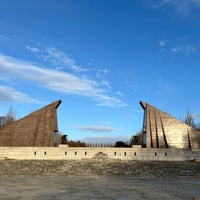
x=9, y=118
x=189, y=120
x=2, y=121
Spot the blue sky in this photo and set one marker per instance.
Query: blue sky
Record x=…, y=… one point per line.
x=100, y=58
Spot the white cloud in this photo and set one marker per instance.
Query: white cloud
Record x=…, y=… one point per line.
x=163, y=43
x=61, y=60
x=33, y=49
x=106, y=84
x=101, y=72
x=180, y=46
x=119, y=93
x=182, y=7
x=57, y=80
x=110, y=101
x=9, y=94
x=96, y=128
x=185, y=49
x=57, y=58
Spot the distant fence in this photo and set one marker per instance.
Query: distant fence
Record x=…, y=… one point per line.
x=99, y=144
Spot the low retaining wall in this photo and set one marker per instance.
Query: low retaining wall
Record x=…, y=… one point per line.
x=77, y=153
x=106, y=167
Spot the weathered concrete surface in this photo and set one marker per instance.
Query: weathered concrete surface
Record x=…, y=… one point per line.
x=98, y=180
x=98, y=188
x=79, y=153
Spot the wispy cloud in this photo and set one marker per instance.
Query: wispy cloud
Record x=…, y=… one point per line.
x=99, y=74
x=33, y=49
x=165, y=88
x=96, y=128
x=56, y=58
x=178, y=45
x=185, y=49
x=9, y=94
x=182, y=7
x=60, y=58
x=119, y=93
x=4, y=38
x=56, y=80
x=163, y=43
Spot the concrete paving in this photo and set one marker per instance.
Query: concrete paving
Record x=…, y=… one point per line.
x=99, y=180
x=98, y=188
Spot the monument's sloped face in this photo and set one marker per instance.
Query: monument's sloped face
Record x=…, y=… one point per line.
x=164, y=131
x=35, y=129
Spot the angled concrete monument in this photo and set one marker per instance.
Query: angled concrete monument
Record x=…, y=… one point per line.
x=34, y=130
x=164, y=131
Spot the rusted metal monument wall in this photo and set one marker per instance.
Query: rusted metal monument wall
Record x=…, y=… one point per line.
x=164, y=131
x=36, y=129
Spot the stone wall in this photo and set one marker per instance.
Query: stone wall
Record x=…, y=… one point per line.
x=35, y=129
x=104, y=167
x=164, y=131
x=78, y=153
